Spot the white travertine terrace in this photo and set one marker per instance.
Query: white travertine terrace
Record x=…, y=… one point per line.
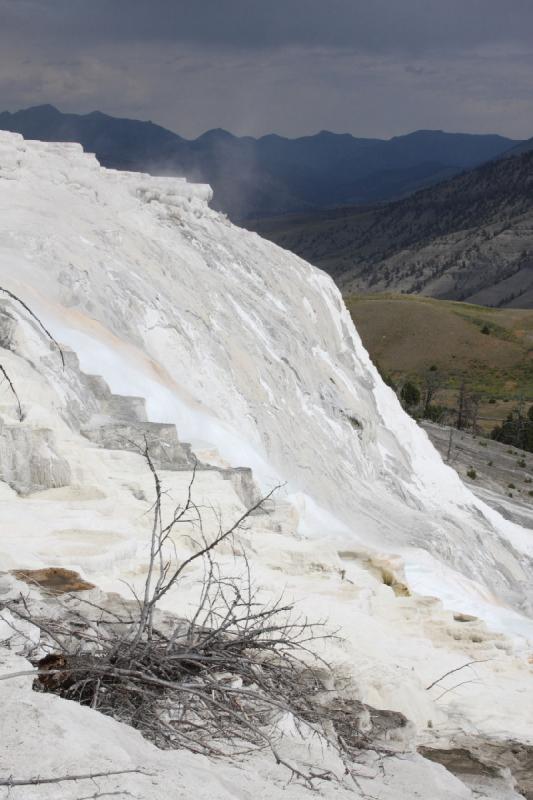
x=251, y=353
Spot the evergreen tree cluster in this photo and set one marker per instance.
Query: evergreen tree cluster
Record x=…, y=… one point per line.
x=516, y=430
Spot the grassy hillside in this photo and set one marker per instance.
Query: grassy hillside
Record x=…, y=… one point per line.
x=492, y=349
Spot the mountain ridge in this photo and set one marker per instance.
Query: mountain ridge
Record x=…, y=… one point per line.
x=270, y=174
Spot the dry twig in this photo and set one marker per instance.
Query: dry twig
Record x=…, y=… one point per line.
x=34, y=316
x=11, y=782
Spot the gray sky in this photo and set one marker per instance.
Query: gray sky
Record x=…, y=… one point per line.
x=369, y=67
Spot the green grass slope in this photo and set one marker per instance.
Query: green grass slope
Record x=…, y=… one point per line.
x=492, y=349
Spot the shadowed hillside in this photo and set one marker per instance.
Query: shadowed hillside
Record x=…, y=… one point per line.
x=469, y=238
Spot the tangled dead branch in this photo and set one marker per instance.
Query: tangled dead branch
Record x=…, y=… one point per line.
x=222, y=682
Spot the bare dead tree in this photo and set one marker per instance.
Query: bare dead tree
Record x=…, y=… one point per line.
x=431, y=384
x=462, y=406
x=450, y=445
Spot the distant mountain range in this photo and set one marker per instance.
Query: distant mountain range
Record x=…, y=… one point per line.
x=271, y=175
x=469, y=238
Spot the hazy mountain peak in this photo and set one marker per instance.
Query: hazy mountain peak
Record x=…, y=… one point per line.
x=44, y=109
x=216, y=133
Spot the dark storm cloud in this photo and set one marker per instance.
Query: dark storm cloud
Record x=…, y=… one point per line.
x=373, y=67
x=367, y=24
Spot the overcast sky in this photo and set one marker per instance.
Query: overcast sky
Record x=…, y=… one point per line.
x=369, y=67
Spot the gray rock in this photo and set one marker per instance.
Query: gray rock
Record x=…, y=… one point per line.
x=28, y=459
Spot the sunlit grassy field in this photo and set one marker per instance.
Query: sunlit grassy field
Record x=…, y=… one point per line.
x=491, y=349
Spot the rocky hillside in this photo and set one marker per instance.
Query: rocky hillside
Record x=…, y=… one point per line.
x=272, y=174
x=137, y=321
x=498, y=474
x=470, y=238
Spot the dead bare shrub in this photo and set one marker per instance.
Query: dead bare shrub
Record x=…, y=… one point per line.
x=217, y=683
